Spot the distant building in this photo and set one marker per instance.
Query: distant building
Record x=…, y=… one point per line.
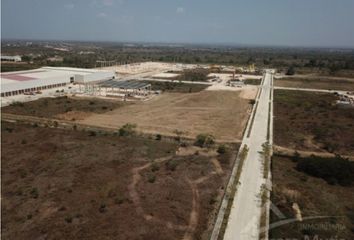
x=21, y=82
x=11, y=58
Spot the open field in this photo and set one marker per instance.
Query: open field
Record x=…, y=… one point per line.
x=316, y=83
x=62, y=107
x=313, y=122
x=220, y=113
x=300, y=196
x=60, y=184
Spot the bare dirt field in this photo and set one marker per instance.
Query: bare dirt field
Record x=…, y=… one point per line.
x=300, y=196
x=220, y=113
x=60, y=184
x=316, y=83
x=312, y=122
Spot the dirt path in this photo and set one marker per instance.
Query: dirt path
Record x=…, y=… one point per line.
x=194, y=215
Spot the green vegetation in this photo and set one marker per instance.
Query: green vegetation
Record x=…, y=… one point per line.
x=171, y=165
x=127, y=129
x=321, y=61
x=336, y=170
x=290, y=71
x=176, y=87
x=151, y=178
x=204, y=140
x=197, y=75
x=221, y=149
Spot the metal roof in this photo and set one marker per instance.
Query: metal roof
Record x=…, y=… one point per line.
x=124, y=84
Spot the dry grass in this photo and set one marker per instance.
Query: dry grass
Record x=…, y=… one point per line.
x=315, y=197
x=220, y=113
x=316, y=83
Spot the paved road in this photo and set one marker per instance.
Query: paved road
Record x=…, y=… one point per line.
x=244, y=219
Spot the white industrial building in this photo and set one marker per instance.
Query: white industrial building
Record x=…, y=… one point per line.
x=20, y=82
x=11, y=58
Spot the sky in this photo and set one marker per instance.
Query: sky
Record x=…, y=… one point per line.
x=308, y=23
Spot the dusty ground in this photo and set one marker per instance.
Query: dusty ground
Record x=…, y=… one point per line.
x=312, y=122
x=296, y=193
x=59, y=184
x=316, y=83
x=220, y=113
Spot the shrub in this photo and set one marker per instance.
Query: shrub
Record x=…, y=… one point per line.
x=290, y=71
x=204, y=140
x=252, y=101
x=158, y=137
x=18, y=104
x=34, y=193
x=92, y=133
x=335, y=170
x=171, y=165
x=119, y=200
x=151, y=178
x=8, y=129
x=155, y=167
x=127, y=129
x=221, y=149
x=102, y=208
x=68, y=219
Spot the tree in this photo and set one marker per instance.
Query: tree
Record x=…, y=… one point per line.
x=290, y=71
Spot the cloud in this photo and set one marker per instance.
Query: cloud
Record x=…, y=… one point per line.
x=69, y=6
x=180, y=10
x=102, y=15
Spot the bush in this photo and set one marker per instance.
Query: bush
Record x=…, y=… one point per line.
x=158, y=137
x=18, y=104
x=252, y=101
x=102, y=208
x=155, y=167
x=171, y=165
x=127, y=129
x=34, y=193
x=290, y=71
x=204, y=140
x=151, y=178
x=336, y=170
x=68, y=219
x=92, y=134
x=221, y=149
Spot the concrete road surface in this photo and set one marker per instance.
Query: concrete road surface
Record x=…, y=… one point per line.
x=244, y=218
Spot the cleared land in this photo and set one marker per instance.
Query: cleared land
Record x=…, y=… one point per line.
x=316, y=83
x=299, y=196
x=313, y=122
x=62, y=107
x=220, y=113
x=69, y=185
